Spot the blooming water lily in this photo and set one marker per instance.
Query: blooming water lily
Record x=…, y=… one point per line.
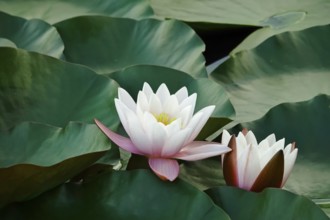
x=254, y=166
x=163, y=127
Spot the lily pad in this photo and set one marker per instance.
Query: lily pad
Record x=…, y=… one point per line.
x=7, y=43
x=135, y=194
x=35, y=157
x=288, y=67
x=269, y=204
x=32, y=35
x=208, y=92
x=34, y=87
x=273, y=16
x=110, y=44
x=54, y=11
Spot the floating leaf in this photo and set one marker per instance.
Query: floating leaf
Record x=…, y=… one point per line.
x=54, y=11
x=34, y=87
x=135, y=194
x=269, y=204
x=275, y=17
x=7, y=43
x=288, y=67
x=33, y=35
x=110, y=44
x=35, y=157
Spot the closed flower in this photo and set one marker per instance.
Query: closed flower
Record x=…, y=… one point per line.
x=254, y=166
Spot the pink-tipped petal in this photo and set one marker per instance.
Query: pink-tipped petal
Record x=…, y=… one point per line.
x=121, y=141
x=166, y=169
x=198, y=150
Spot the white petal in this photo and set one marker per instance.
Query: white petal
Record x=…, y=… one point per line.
x=142, y=101
x=174, y=143
x=155, y=105
x=138, y=135
x=171, y=106
x=121, y=110
x=148, y=118
x=163, y=93
x=287, y=150
x=198, y=150
x=158, y=136
x=147, y=90
x=288, y=164
x=267, y=155
x=241, y=141
x=225, y=137
x=271, y=139
x=126, y=99
x=241, y=144
x=251, y=139
x=173, y=127
x=206, y=113
x=185, y=115
x=263, y=147
x=190, y=101
x=182, y=94
x=251, y=169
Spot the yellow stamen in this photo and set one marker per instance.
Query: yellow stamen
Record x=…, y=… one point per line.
x=164, y=118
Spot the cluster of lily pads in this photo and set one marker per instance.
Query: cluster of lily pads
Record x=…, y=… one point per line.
x=259, y=65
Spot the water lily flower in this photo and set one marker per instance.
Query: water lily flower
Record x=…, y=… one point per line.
x=163, y=127
x=254, y=166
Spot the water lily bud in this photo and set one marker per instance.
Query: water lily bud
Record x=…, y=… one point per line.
x=162, y=127
x=254, y=166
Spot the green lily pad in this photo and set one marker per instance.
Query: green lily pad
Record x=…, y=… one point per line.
x=274, y=17
x=269, y=204
x=34, y=87
x=110, y=44
x=32, y=35
x=307, y=124
x=208, y=92
x=135, y=194
x=54, y=11
x=288, y=67
x=203, y=174
x=35, y=157
x=7, y=43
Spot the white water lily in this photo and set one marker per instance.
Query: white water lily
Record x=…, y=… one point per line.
x=254, y=166
x=163, y=127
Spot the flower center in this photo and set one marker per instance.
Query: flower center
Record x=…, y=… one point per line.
x=164, y=118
